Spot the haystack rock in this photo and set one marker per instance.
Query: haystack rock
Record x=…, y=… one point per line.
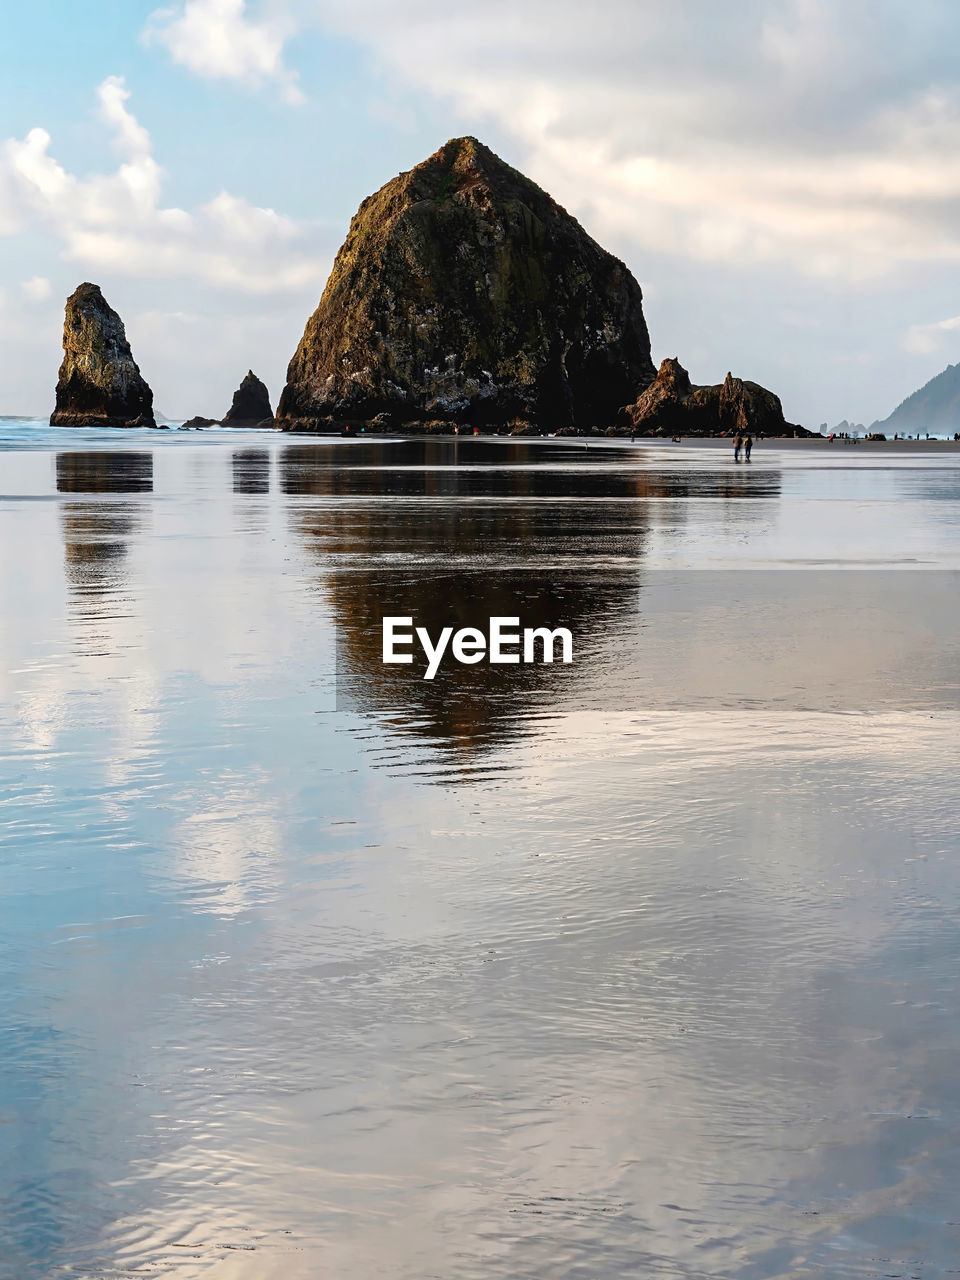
x=251, y=405
x=99, y=383
x=672, y=405
x=465, y=294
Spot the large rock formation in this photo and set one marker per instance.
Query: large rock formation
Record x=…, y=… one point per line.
x=464, y=293
x=99, y=383
x=672, y=405
x=251, y=405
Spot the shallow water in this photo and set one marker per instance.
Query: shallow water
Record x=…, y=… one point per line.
x=641, y=966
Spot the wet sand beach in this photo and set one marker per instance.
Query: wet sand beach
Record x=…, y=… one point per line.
x=640, y=966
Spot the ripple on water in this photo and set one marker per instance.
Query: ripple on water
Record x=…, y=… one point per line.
x=648, y=972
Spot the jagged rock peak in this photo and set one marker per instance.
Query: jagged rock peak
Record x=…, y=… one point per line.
x=662, y=402
x=672, y=405
x=251, y=404
x=464, y=293
x=99, y=382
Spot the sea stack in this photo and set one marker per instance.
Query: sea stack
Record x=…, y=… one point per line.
x=464, y=294
x=251, y=405
x=672, y=405
x=99, y=383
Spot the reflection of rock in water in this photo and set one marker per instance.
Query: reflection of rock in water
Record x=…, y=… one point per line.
x=481, y=468
x=549, y=563
x=467, y=530
x=104, y=472
x=251, y=471
x=470, y=706
x=96, y=537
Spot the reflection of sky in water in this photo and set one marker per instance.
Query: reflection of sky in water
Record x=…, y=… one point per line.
x=664, y=985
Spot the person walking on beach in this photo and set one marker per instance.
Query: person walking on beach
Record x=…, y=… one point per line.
x=736, y=447
x=747, y=446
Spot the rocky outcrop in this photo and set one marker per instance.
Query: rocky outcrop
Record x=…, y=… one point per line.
x=661, y=408
x=463, y=293
x=198, y=423
x=99, y=383
x=672, y=405
x=251, y=405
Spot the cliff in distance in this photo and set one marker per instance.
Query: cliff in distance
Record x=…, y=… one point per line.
x=99, y=384
x=672, y=405
x=463, y=294
x=935, y=407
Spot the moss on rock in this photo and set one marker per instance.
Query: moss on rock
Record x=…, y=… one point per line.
x=464, y=293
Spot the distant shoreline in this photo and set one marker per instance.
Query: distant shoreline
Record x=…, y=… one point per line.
x=618, y=441
x=817, y=442
x=577, y=443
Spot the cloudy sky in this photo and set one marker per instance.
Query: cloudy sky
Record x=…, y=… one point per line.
x=782, y=176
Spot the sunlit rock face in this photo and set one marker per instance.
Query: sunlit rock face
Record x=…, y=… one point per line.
x=672, y=405
x=99, y=384
x=465, y=295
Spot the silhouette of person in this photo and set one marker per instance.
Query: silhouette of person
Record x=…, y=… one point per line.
x=736, y=447
x=747, y=446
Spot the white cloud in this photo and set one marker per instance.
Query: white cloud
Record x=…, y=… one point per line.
x=798, y=131
x=795, y=131
x=131, y=136
x=216, y=39
x=926, y=338
x=115, y=222
x=36, y=289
